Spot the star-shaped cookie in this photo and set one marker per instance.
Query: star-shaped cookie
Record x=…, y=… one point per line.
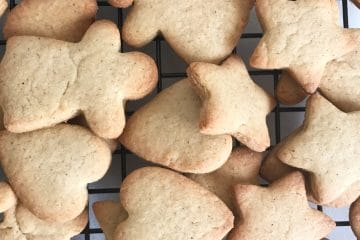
x=197, y=30
x=341, y=78
x=242, y=167
x=338, y=83
x=327, y=148
x=299, y=37
x=273, y=169
x=232, y=102
x=355, y=217
x=280, y=211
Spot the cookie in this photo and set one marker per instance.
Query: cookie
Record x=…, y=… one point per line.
x=355, y=217
x=273, y=169
x=65, y=20
x=81, y=121
x=285, y=204
x=109, y=214
x=55, y=81
x=208, y=35
x=165, y=131
x=232, y=102
x=121, y=3
x=3, y=6
x=242, y=167
x=298, y=38
x=357, y=3
x=7, y=197
x=20, y=223
x=166, y=205
x=288, y=91
x=341, y=78
x=338, y=83
x=41, y=230
x=61, y=160
x=327, y=148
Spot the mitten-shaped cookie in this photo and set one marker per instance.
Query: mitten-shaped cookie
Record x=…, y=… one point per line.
x=49, y=169
x=204, y=31
x=45, y=81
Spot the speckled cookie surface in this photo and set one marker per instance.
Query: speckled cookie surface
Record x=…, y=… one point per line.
x=341, y=78
x=164, y=205
x=54, y=80
x=19, y=223
x=28, y=227
x=61, y=160
x=166, y=131
x=65, y=20
x=204, y=31
x=326, y=147
x=109, y=214
x=288, y=91
x=273, y=169
x=355, y=217
x=242, y=167
x=298, y=37
x=285, y=202
x=232, y=103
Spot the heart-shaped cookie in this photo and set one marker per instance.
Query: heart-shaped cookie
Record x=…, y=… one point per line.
x=163, y=204
x=49, y=169
x=166, y=131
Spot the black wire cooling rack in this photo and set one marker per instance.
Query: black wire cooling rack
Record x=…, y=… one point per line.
x=121, y=152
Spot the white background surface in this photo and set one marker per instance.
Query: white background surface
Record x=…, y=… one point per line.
x=170, y=64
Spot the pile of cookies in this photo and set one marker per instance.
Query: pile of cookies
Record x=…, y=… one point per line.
x=64, y=85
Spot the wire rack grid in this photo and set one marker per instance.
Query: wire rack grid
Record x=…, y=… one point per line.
x=122, y=157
